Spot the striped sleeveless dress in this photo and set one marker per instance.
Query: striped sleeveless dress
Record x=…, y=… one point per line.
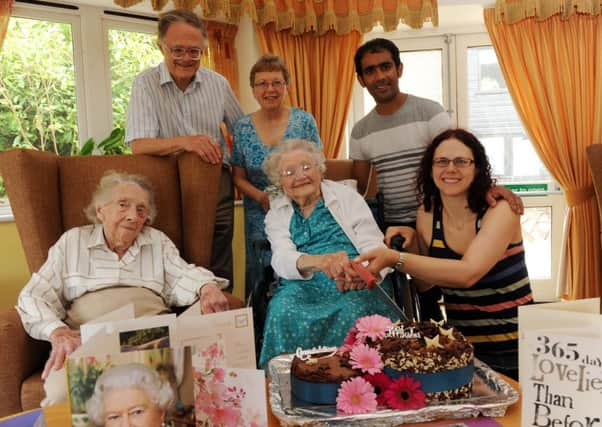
x=487, y=312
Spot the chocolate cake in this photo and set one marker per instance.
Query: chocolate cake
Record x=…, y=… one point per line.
x=429, y=348
x=330, y=369
x=316, y=379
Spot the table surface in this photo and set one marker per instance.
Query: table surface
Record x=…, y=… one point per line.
x=58, y=416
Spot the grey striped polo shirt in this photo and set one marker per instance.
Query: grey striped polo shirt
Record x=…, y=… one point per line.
x=395, y=145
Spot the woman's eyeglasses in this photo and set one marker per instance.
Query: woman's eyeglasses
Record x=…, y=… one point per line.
x=459, y=162
x=263, y=84
x=293, y=170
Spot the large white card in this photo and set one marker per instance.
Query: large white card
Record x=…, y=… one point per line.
x=560, y=360
x=235, y=326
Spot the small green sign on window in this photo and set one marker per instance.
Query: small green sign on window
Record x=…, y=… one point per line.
x=528, y=188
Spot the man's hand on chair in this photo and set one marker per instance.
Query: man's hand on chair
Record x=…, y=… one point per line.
x=64, y=342
x=212, y=299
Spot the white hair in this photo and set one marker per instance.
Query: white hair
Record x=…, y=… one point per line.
x=271, y=165
x=103, y=193
x=131, y=375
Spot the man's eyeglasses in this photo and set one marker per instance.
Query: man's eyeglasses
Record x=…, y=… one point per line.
x=178, y=52
x=276, y=84
x=292, y=171
x=459, y=162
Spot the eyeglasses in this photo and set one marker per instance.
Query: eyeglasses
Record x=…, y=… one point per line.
x=276, y=84
x=292, y=171
x=459, y=162
x=178, y=52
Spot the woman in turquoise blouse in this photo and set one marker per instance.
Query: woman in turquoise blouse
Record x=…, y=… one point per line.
x=255, y=136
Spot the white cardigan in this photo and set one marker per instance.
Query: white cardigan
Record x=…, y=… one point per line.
x=348, y=208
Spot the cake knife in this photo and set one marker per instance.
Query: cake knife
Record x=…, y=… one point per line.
x=370, y=280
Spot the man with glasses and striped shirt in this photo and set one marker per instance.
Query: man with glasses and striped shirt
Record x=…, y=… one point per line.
x=180, y=106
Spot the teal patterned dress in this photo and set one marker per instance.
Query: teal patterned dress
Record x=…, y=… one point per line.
x=249, y=152
x=310, y=313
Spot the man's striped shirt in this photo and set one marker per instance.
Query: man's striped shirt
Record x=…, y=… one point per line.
x=395, y=145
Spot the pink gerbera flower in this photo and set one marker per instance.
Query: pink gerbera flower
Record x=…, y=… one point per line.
x=380, y=382
x=373, y=327
x=366, y=359
x=405, y=393
x=356, y=396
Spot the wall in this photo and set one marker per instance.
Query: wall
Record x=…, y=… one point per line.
x=13, y=268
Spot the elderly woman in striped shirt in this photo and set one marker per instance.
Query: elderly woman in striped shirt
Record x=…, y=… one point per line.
x=95, y=269
x=481, y=261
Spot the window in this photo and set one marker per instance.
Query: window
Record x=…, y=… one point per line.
x=130, y=52
x=38, y=96
x=45, y=102
x=462, y=73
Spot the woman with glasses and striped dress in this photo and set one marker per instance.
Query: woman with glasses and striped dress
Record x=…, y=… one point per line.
x=472, y=251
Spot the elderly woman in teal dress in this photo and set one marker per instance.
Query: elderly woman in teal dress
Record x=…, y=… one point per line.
x=314, y=229
x=255, y=136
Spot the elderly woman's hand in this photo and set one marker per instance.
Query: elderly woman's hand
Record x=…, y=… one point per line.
x=64, y=342
x=212, y=299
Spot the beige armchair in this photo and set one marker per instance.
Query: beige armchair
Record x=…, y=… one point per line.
x=48, y=194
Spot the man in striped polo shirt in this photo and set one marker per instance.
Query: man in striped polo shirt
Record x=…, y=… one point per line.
x=393, y=137
x=180, y=106
x=395, y=134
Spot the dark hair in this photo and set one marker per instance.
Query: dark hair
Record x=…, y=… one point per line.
x=373, y=46
x=428, y=193
x=180, y=15
x=269, y=62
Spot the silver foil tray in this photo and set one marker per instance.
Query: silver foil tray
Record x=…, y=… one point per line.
x=491, y=397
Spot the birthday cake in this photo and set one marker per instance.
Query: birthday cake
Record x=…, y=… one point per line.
x=433, y=353
x=400, y=366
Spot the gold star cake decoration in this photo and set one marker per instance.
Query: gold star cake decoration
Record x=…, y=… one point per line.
x=432, y=342
x=449, y=333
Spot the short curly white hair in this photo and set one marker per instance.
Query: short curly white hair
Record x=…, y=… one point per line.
x=271, y=165
x=131, y=375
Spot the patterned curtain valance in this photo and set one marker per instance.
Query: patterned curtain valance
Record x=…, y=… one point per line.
x=512, y=11
x=301, y=16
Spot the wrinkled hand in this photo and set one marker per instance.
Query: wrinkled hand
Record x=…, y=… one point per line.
x=207, y=149
x=212, y=299
x=408, y=233
x=378, y=259
x=264, y=201
x=515, y=202
x=336, y=265
x=64, y=342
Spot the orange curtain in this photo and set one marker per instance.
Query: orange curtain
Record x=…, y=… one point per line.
x=222, y=51
x=322, y=74
x=512, y=11
x=553, y=69
x=342, y=16
x=5, y=11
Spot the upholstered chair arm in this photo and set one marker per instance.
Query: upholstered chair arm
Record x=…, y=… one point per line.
x=20, y=356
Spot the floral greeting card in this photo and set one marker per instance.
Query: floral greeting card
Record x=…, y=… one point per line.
x=227, y=397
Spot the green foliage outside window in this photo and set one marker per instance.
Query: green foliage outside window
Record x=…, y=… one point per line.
x=37, y=87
